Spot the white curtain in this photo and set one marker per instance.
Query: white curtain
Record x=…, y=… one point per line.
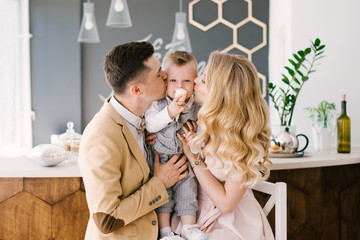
x=15, y=99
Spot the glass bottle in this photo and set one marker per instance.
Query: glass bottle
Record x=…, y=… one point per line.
x=343, y=126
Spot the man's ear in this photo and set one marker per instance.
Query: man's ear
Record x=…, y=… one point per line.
x=136, y=89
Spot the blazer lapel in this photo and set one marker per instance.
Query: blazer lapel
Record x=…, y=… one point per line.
x=133, y=145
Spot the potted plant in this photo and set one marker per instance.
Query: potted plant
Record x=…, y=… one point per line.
x=324, y=124
x=323, y=111
x=302, y=65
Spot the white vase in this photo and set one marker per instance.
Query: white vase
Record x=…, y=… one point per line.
x=322, y=141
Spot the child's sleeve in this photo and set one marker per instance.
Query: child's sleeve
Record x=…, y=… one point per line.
x=156, y=119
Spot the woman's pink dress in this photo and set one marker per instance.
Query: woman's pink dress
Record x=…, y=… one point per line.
x=246, y=222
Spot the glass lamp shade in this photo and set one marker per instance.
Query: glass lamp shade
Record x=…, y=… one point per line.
x=180, y=38
x=88, y=31
x=119, y=16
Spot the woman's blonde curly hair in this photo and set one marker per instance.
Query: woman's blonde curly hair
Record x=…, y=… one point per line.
x=234, y=119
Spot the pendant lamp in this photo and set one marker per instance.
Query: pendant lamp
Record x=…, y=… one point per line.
x=119, y=16
x=88, y=31
x=180, y=38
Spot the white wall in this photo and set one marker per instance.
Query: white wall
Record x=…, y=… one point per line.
x=336, y=23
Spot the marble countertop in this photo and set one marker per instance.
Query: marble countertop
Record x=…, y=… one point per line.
x=314, y=159
x=22, y=167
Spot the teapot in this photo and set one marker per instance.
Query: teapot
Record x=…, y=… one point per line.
x=289, y=143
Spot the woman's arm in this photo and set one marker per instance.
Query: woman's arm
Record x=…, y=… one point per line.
x=225, y=196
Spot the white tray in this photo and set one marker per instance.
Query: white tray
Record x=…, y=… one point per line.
x=286, y=155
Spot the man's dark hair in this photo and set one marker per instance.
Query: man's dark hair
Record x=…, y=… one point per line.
x=126, y=62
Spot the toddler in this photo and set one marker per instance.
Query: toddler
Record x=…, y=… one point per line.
x=165, y=117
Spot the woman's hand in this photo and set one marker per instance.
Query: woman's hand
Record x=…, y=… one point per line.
x=190, y=156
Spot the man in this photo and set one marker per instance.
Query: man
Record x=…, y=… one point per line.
x=112, y=159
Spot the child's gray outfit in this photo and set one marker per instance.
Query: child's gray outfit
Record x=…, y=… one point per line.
x=184, y=192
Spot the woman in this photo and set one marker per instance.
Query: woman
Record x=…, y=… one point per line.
x=229, y=155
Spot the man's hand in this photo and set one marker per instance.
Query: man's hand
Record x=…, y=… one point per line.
x=175, y=107
x=172, y=171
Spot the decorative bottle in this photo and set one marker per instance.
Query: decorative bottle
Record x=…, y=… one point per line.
x=343, y=132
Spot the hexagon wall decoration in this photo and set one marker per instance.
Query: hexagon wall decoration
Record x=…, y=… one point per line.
x=236, y=28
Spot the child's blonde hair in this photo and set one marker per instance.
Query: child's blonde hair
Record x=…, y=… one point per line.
x=234, y=119
x=178, y=58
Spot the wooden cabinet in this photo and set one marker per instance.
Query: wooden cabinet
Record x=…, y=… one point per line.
x=42, y=208
x=322, y=202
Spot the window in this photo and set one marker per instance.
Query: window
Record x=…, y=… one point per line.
x=15, y=99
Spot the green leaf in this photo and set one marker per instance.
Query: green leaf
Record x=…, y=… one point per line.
x=291, y=72
x=277, y=99
x=285, y=77
x=319, y=53
x=305, y=67
x=317, y=58
x=307, y=51
x=313, y=48
x=317, y=42
x=304, y=79
x=270, y=85
x=286, y=81
x=301, y=53
x=292, y=97
x=297, y=81
x=296, y=57
x=293, y=63
x=300, y=73
x=321, y=47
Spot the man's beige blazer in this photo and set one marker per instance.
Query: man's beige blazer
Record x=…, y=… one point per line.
x=120, y=197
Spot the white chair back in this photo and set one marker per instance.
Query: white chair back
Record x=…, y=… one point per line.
x=278, y=199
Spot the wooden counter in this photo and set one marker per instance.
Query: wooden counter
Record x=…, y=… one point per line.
x=323, y=195
x=41, y=202
x=49, y=202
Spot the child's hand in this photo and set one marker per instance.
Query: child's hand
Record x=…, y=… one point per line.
x=189, y=130
x=149, y=138
x=176, y=107
x=189, y=134
x=190, y=126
